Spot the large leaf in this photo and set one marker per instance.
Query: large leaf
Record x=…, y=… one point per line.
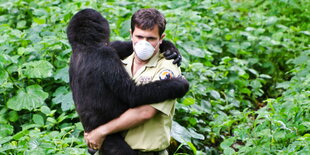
x=30, y=98
x=62, y=74
x=38, y=119
x=188, y=101
x=38, y=69
x=6, y=129
x=5, y=60
x=3, y=76
x=196, y=52
x=182, y=135
x=63, y=96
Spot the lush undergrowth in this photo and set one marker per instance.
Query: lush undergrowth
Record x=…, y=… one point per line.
x=247, y=62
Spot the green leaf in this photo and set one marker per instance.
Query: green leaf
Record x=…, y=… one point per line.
x=214, y=48
x=196, y=135
x=25, y=51
x=51, y=121
x=229, y=151
x=192, y=146
x=39, y=20
x=215, y=94
x=38, y=69
x=196, y=52
x=45, y=109
x=13, y=116
x=182, y=135
x=38, y=119
x=283, y=85
x=5, y=139
x=253, y=71
x=271, y=20
x=5, y=60
x=227, y=143
x=192, y=121
x=21, y=24
x=63, y=96
x=255, y=84
x=20, y=134
x=6, y=130
x=3, y=76
x=246, y=91
x=228, y=36
x=62, y=74
x=265, y=76
x=188, y=101
x=30, y=98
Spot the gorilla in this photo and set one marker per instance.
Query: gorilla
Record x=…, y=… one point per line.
x=102, y=89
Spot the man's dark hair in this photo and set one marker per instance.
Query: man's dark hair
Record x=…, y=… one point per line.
x=147, y=19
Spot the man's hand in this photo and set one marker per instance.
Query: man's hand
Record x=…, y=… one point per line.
x=94, y=139
x=170, y=52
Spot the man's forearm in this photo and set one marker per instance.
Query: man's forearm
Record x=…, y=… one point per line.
x=129, y=119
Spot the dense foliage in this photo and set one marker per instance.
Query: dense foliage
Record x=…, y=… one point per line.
x=247, y=62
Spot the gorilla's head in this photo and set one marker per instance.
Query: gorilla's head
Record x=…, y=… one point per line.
x=88, y=27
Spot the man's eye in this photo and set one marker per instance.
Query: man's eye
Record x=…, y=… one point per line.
x=151, y=39
x=139, y=37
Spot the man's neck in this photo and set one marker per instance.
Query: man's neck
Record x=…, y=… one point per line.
x=137, y=64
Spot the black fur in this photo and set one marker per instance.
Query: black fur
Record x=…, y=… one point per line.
x=102, y=89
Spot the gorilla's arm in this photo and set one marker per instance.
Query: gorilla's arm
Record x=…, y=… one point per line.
x=124, y=49
x=119, y=82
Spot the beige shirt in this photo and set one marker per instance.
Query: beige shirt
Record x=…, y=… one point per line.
x=154, y=134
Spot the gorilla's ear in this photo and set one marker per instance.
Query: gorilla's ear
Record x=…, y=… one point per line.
x=88, y=27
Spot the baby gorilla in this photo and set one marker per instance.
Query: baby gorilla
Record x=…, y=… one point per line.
x=102, y=90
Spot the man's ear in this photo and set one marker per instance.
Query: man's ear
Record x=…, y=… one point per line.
x=162, y=37
x=130, y=31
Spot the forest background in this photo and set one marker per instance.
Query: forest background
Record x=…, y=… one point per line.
x=247, y=62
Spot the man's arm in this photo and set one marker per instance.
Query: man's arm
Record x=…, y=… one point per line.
x=129, y=119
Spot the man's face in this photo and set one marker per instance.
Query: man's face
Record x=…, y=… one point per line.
x=152, y=36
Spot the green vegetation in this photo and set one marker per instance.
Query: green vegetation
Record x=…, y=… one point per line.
x=248, y=64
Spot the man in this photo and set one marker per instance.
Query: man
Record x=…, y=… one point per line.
x=149, y=125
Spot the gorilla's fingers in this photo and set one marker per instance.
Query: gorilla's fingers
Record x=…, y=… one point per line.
x=167, y=53
x=178, y=60
x=171, y=55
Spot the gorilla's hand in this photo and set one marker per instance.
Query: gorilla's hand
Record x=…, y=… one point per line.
x=170, y=52
x=182, y=84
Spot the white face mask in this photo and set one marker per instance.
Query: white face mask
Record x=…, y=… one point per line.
x=144, y=50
